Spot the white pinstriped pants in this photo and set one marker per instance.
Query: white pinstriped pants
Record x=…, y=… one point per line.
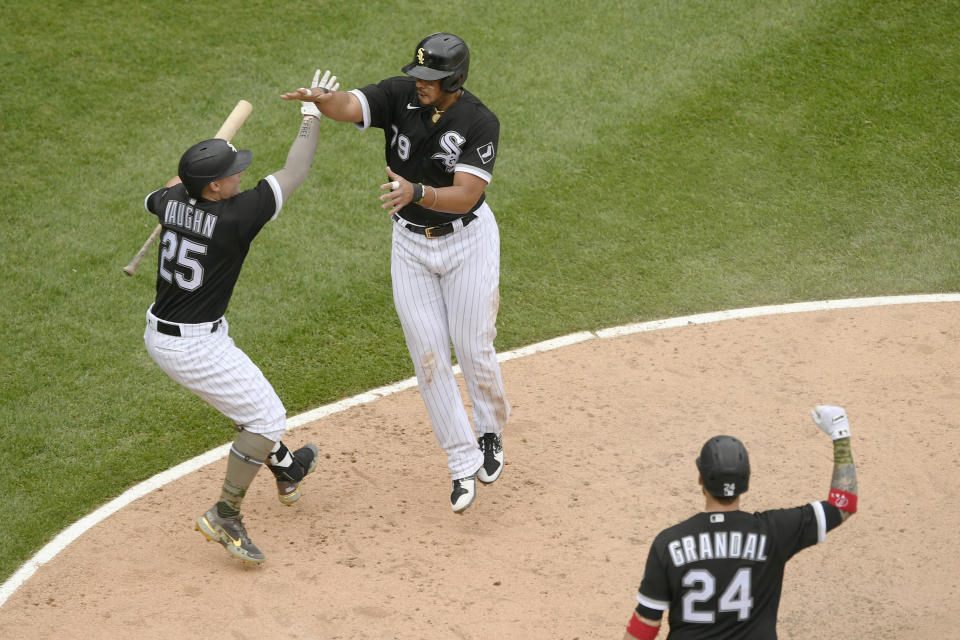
x=447, y=290
x=214, y=368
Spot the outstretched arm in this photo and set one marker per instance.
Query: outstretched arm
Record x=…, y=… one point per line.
x=304, y=147
x=341, y=106
x=843, y=485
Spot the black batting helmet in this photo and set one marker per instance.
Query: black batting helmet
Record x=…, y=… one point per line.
x=724, y=467
x=210, y=160
x=441, y=56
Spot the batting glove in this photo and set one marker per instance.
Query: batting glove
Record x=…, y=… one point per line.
x=832, y=421
x=326, y=84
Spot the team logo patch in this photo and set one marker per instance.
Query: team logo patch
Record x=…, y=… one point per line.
x=450, y=142
x=486, y=152
x=420, y=55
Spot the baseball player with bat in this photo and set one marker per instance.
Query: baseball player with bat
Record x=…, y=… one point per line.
x=208, y=224
x=720, y=573
x=441, y=144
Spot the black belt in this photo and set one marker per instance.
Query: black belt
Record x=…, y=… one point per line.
x=437, y=231
x=174, y=329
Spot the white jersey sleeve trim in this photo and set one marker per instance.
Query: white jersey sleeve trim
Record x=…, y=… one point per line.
x=277, y=195
x=365, y=106
x=821, y=521
x=480, y=173
x=147, y=198
x=650, y=603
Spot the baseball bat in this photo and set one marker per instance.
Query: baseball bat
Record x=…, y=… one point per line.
x=226, y=132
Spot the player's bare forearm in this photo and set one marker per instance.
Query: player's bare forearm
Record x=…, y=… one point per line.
x=844, y=472
x=341, y=106
x=458, y=198
x=455, y=199
x=300, y=157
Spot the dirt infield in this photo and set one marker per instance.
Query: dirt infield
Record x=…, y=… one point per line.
x=599, y=458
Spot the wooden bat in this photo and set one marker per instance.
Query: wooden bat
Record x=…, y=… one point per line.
x=226, y=132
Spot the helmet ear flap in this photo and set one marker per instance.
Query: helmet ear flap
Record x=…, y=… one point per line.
x=454, y=82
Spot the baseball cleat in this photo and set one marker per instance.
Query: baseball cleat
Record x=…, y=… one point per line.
x=231, y=533
x=492, y=446
x=464, y=491
x=305, y=459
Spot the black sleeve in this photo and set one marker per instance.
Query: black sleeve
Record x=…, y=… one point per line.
x=802, y=527
x=653, y=597
x=480, y=152
x=258, y=207
x=152, y=202
x=382, y=98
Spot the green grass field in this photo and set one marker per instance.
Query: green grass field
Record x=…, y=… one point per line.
x=657, y=158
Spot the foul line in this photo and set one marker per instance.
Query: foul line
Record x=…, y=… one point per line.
x=74, y=531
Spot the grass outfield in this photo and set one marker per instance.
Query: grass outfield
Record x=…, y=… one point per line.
x=657, y=158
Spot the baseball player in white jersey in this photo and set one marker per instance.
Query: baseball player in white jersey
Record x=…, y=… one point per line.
x=208, y=225
x=441, y=144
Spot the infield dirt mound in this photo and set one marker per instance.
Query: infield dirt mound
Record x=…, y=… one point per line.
x=600, y=455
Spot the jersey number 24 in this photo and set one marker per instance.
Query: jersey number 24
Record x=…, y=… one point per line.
x=702, y=586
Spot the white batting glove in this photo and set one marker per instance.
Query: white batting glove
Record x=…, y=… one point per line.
x=319, y=85
x=831, y=420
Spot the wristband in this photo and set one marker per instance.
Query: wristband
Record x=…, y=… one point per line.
x=843, y=500
x=641, y=630
x=417, y=192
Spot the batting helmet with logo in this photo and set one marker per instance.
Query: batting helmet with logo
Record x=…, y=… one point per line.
x=210, y=160
x=441, y=56
x=724, y=467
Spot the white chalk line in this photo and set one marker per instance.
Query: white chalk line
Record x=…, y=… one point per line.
x=74, y=531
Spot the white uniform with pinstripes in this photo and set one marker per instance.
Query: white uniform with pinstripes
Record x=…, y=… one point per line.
x=210, y=365
x=446, y=290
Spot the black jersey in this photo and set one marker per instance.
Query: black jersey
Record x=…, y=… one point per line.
x=720, y=574
x=203, y=245
x=464, y=139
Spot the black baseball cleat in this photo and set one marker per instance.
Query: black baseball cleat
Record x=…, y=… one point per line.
x=464, y=491
x=492, y=446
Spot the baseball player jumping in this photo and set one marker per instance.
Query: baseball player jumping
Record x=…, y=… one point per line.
x=720, y=573
x=208, y=225
x=441, y=144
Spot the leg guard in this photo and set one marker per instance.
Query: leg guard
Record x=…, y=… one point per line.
x=247, y=455
x=291, y=466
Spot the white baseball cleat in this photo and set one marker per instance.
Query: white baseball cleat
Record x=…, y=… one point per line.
x=464, y=491
x=492, y=446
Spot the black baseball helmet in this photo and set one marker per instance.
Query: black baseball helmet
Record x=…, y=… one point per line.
x=441, y=56
x=724, y=467
x=210, y=160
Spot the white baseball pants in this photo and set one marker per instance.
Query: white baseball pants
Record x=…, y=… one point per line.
x=214, y=368
x=445, y=290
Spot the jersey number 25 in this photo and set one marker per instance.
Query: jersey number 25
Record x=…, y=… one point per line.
x=187, y=271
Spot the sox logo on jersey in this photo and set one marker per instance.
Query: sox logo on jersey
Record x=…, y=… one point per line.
x=450, y=142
